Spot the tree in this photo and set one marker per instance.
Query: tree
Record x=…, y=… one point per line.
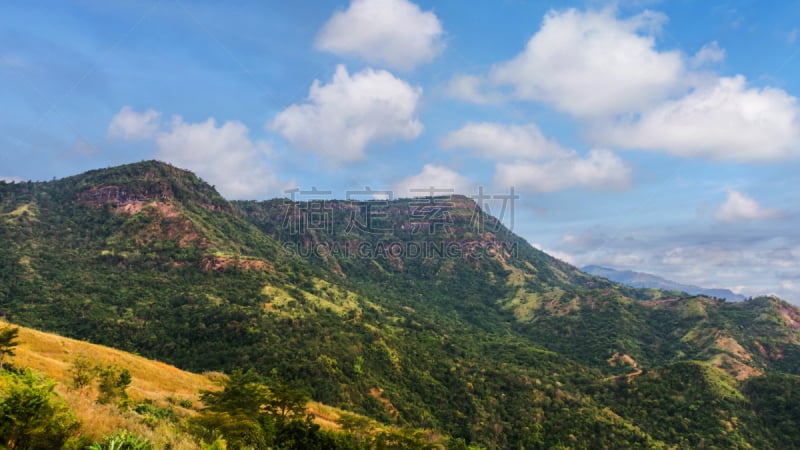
x=238, y=412
x=288, y=401
x=402, y=438
x=31, y=415
x=307, y=435
x=8, y=342
x=82, y=372
x=113, y=383
x=357, y=425
x=242, y=393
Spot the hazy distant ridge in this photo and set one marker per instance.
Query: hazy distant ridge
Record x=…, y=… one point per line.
x=646, y=280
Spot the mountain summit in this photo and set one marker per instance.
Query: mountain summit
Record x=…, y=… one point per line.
x=425, y=312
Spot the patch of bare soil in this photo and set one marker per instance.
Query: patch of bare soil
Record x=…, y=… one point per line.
x=730, y=345
x=221, y=263
x=621, y=359
x=734, y=367
x=790, y=316
x=390, y=409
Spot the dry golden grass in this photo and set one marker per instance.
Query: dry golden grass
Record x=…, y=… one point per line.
x=155, y=381
x=325, y=416
x=53, y=355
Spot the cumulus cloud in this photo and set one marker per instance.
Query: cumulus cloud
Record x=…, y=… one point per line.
x=527, y=160
x=11, y=179
x=435, y=179
x=223, y=155
x=396, y=33
x=472, y=88
x=340, y=119
x=608, y=72
x=129, y=124
x=709, y=54
x=738, y=206
x=723, y=120
x=600, y=169
x=592, y=64
x=498, y=141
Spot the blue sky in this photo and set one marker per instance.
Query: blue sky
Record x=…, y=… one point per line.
x=646, y=135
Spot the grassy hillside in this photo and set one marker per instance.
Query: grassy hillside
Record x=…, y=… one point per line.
x=153, y=383
x=164, y=387
x=53, y=355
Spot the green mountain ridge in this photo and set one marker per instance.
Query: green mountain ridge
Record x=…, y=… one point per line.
x=426, y=312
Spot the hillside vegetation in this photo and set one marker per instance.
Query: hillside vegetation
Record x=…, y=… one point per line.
x=161, y=399
x=478, y=335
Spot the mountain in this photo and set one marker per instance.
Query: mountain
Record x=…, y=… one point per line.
x=414, y=312
x=646, y=280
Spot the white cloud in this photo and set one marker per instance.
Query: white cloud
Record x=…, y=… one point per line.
x=751, y=260
x=699, y=262
x=391, y=32
x=709, y=54
x=128, y=124
x=443, y=180
x=782, y=258
x=724, y=120
x=608, y=72
x=11, y=179
x=601, y=169
x=592, y=64
x=790, y=287
x=738, y=206
x=527, y=160
x=627, y=260
x=497, y=141
x=342, y=118
x=563, y=256
x=582, y=242
x=472, y=89
x=223, y=155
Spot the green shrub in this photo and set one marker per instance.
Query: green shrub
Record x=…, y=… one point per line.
x=31, y=415
x=122, y=441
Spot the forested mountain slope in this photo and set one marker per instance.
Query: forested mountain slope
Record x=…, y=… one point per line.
x=433, y=314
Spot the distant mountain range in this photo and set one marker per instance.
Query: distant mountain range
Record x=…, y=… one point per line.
x=646, y=280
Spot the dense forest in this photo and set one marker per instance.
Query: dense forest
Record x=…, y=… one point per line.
x=423, y=313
